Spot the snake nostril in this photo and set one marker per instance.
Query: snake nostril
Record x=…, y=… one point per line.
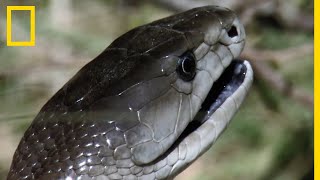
x=233, y=32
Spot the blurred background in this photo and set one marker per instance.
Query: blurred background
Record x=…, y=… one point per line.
x=271, y=137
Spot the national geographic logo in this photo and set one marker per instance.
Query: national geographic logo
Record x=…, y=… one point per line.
x=32, y=35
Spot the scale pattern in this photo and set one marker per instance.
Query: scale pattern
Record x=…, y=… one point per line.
x=101, y=124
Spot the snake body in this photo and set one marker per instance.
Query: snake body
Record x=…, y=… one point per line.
x=147, y=107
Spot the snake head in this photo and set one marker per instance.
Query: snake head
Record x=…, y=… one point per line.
x=147, y=107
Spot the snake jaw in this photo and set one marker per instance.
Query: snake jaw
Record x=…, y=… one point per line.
x=212, y=119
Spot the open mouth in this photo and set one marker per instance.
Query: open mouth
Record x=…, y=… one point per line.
x=227, y=86
x=229, y=81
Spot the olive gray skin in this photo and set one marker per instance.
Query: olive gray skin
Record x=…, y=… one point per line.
x=120, y=114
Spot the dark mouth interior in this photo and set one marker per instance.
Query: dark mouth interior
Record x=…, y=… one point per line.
x=229, y=81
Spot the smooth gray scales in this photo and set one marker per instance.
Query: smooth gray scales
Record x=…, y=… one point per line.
x=148, y=106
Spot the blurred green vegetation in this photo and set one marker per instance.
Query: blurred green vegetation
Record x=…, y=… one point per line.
x=271, y=137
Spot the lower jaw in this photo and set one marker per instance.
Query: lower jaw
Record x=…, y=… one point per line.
x=211, y=120
x=222, y=89
x=200, y=134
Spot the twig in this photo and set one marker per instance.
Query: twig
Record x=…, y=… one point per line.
x=279, y=55
x=276, y=81
x=288, y=14
x=180, y=5
x=183, y=5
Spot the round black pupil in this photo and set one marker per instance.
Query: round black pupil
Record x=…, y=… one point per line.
x=188, y=65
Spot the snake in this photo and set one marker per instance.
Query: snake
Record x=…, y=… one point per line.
x=147, y=107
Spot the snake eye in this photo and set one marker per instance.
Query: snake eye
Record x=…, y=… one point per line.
x=186, y=66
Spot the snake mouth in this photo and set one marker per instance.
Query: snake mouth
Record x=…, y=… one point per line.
x=229, y=81
x=222, y=89
x=221, y=103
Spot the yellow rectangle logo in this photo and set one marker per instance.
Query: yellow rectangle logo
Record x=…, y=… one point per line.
x=32, y=25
